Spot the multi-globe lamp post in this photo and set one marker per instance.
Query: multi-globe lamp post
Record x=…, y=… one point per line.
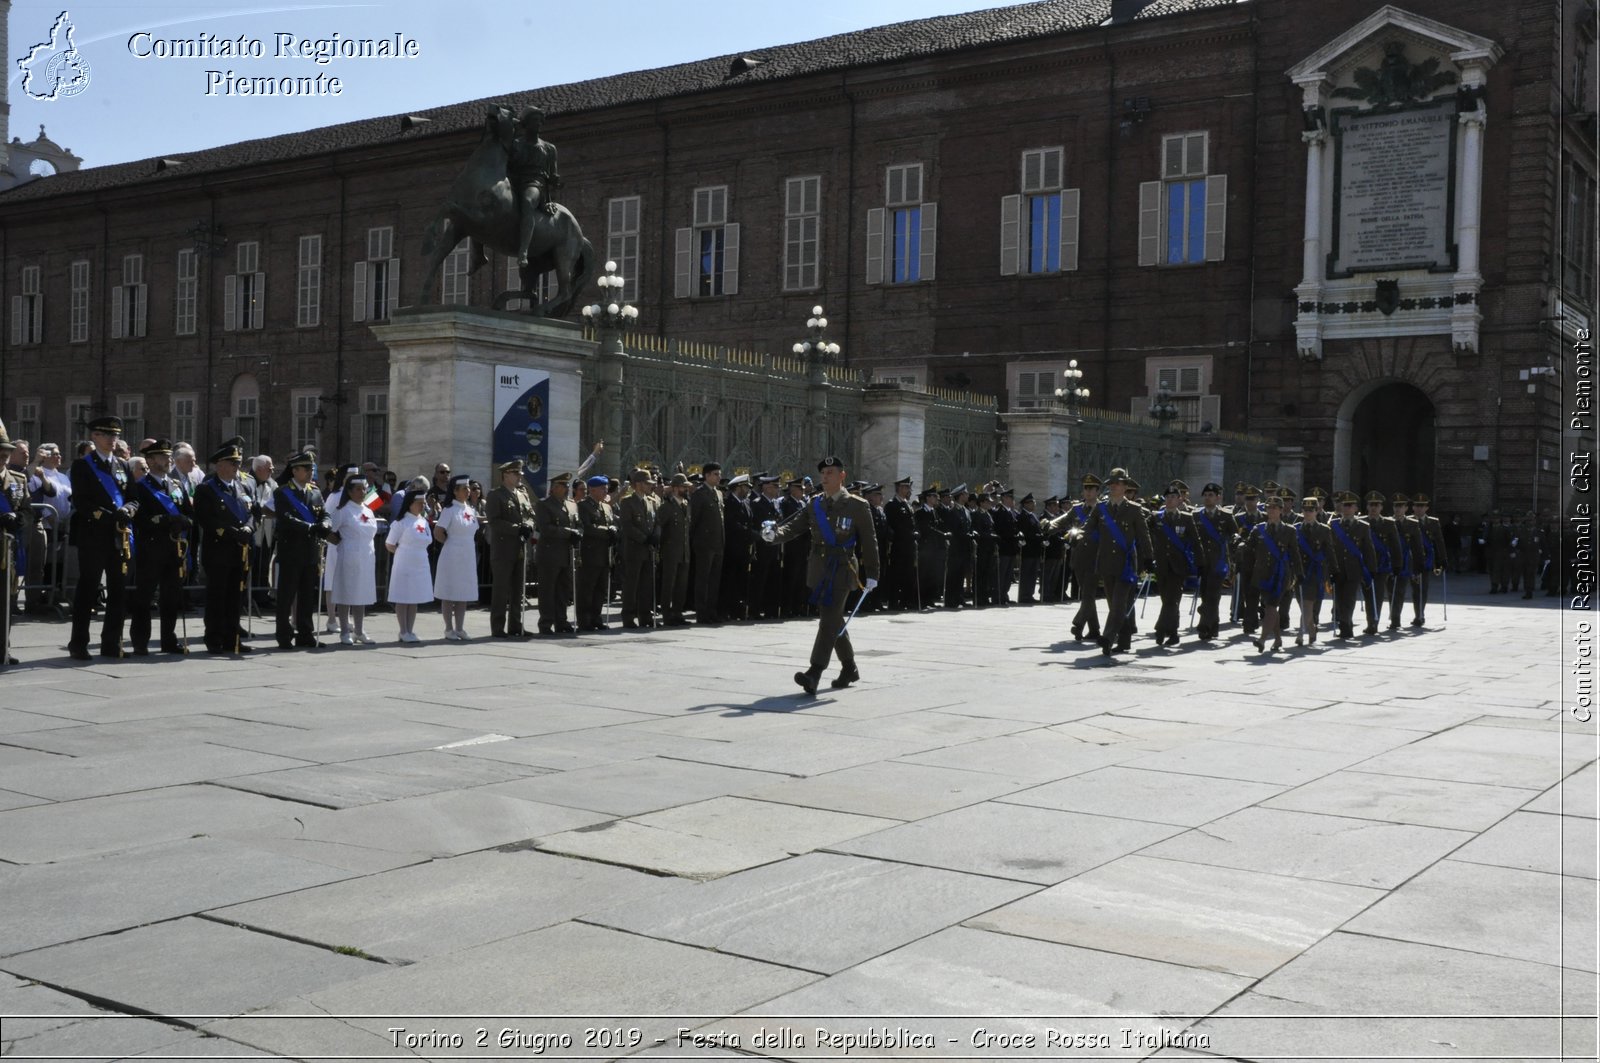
x=610, y=316
x=611, y=313
x=817, y=352
x=1072, y=392
x=1163, y=409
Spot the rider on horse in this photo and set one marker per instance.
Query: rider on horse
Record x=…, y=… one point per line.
x=531, y=166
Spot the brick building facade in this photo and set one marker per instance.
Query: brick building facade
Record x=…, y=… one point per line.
x=975, y=199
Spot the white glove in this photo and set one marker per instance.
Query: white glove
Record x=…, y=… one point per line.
x=871, y=583
x=768, y=534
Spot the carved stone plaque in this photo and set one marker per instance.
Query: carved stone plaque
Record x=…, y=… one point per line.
x=1394, y=191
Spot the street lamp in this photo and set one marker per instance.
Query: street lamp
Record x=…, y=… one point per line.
x=816, y=349
x=1163, y=409
x=612, y=313
x=1073, y=393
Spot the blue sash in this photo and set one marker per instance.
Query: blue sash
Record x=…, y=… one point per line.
x=1314, y=561
x=1385, y=559
x=231, y=499
x=1177, y=540
x=1216, y=537
x=107, y=481
x=1279, y=581
x=1349, y=544
x=301, y=510
x=163, y=499
x=822, y=593
x=1130, y=571
x=1083, y=518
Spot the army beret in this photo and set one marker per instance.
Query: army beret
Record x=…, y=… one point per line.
x=599, y=481
x=109, y=424
x=1211, y=489
x=829, y=462
x=710, y=466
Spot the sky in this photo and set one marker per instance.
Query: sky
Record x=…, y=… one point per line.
x=136, y=103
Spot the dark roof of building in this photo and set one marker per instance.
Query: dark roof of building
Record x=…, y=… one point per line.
x=881, y=44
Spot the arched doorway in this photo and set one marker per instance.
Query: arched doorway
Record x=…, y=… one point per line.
x=1384, y=440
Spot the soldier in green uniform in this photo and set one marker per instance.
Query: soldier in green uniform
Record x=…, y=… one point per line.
x=640, y=537
x=1352, y=562
x=838, y=522
x=707, y=540
x=1123, y=553
x=1386, y=547
x=1175, y=541
x=559, y=530
x=1409, y=532
x=1277, y=570
x=1216, y=532
x=1434, y=558
x=1315, y=541
x=1246, y=518
x=508, y=512
x=1082, y=554
x=594, y=555
x=673, y=521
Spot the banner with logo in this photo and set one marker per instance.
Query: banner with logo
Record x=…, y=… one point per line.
x=522, y=422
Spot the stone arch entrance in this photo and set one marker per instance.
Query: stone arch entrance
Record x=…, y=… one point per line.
x=1384, y=439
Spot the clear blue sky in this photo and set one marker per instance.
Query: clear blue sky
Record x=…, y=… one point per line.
x=138, y=108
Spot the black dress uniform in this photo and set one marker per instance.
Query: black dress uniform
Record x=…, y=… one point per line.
x=302, y=527
x=707, y=541
x=672, y=521
x=873, y=493
x=902, y=570
x=1007, y=544
x=959, y=561
x=14, y=523
x=222, y=510
x=594, y=559
x=766, y=574
x=932, y=547
x=986, y=562
x=1032, y=553
x=102, y=530
x=1054, y=586
x=739, y=527
x=161, y=530
x=794, y=554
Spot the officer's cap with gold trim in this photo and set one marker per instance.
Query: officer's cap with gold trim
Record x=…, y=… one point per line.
x=1211, y=489
x=1090, y=480
x=1310, y=503
x=1420, y=500
x=903, y=482
x=561, y=478
x=106, y=423
x=1400, y=500
x=1319, y=494
x=156, y=446
x=1375, y=497
x=1275, y=502
x=229, y=451
x=1348, y=498
x=1131, y=484
x=514, y=465
x=1180, y=485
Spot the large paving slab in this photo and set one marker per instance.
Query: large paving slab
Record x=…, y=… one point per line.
x=892, y=789
x=631, y=787
x=443, y=906
x=821, y=912
x=389, y=778
x=1231, y=759
x=1536, y=841
x=1139, y=793
x=1398, y=799
x=125, y=772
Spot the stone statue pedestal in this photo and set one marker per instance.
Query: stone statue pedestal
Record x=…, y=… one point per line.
x=1041, y=452
x=893, y=437
x=445, y=366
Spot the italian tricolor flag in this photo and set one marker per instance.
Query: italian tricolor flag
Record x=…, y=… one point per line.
x=373, y=501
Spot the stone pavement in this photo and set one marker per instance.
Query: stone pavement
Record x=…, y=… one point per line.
x=998, y=843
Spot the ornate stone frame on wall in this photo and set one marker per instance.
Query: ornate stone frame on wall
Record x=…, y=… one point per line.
x=1414, y=68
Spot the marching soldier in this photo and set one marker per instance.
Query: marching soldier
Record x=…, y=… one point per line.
x=1409, y=533
x=1124, y=551
x=161, y=548
x=508, y=512
x=838, y=521
x=1216, y=532
x=672, y=520
x=640, y=537
x=959, y=562
x=1434, y=558
x=707, y=540
x=102, y=530
x=302, y=528
x=222, y=510
x=1176, y=545
x=559, y=530
x=1277, y=569
x=1246, y=517
x=902, y=571
x=1315, y=540
x=14, y=527
x=1386, y=547
x=1352, y=562
x=1083, y=556
x=594, y=555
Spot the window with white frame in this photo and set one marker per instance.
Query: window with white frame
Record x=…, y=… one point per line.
x=622, y=242
x=453, y=276
x=184, y=408
x=244, y=405
x=128, y=300
x=707, y=254
x=1183, y=216
x=185, y=293
x=802, y=232
x=1187, y=380
x=131, y=409
x=377, y=281
x=244, y=293
x=27, y=426
x=902, y=234
x=1033, y=385
x=78, y=307
x=1039, y=226
x=306, y=404
x=308, y=282
x=27, y=310
x=375, y=426
x=78, y=417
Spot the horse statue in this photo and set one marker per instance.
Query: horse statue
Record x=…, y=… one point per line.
x=482, y=207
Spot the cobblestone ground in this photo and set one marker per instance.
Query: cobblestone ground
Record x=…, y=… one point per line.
x=998, y=844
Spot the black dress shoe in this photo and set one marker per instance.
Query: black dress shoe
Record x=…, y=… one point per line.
x=114, y=652
x=78, y=653
x=305, y=643
x=845, y=678
x=629, y=625
x=242, y=649
x=141, y=651
x=565, y=628
x=807, y=681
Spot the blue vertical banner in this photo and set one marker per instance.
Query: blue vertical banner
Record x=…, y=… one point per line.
x=522, y=422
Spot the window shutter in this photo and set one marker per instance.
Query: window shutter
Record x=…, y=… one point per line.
x=1149, y=223
x=1167, y=378
x=1211, y=411
x=117, y=326
x=683, y=264
x=392, y=302
x=1010, y=233
x=875, y=221
x=1216, y=216
x=258, y=289
x=38, y=320
x=730, y=259
x=1069, y=228
x=140, y=301
x=230, y=304
x=16, y=320
x=360, y=287
x=930, y=235
x=1189, y=380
